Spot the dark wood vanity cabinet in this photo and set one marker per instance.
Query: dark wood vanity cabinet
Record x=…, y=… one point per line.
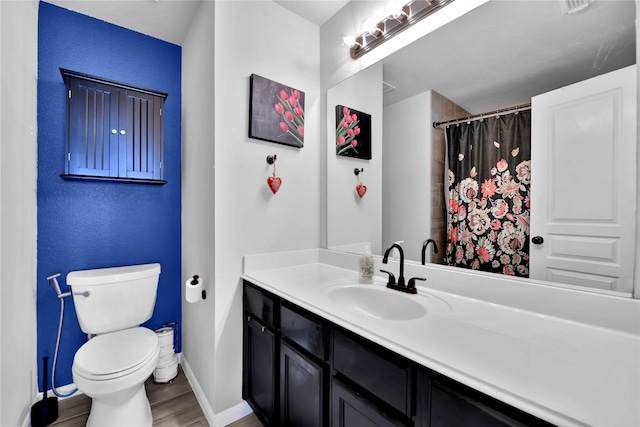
x=260, y=354
x=260, y=369
x=301, y=370
x=284, y=362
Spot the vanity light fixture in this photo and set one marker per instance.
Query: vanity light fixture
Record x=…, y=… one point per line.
x=398, y=19
x=572, y=6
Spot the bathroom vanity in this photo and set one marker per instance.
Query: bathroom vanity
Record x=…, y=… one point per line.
x=321, y=349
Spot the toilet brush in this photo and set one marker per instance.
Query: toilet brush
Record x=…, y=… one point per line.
x=44, y=412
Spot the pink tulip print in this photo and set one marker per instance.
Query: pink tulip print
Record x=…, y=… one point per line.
x=276, y=112
x=353, y=133
x=288, y=106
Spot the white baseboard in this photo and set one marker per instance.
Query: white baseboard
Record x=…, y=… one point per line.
x=197, y=390
x=232, y=414
x=225, y=417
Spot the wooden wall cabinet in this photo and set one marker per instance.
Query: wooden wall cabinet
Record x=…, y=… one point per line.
x=304, y=371
x=114, y=131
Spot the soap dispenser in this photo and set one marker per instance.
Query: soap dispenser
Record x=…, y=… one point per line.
x=366, y=265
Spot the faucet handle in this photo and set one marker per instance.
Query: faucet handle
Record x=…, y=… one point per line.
x=392, y=278
x=412, y=281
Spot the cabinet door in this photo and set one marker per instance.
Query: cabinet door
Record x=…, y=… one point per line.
x=93, y=129
x=452, y=409
x=583, y=181
x=350, y=410
x=140, y=152
x=259, y=370
x=301, y=389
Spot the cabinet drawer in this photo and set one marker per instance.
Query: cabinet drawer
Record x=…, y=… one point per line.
x=379, y=371
x=303, y=329
x=259, y=304
x=451, y=409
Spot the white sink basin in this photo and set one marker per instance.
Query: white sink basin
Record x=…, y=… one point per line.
x=377, y=301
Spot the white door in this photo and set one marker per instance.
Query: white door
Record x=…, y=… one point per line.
x=583, y=182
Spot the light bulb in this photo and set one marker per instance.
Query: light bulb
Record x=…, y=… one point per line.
x=370, y=27
x=395, y=10
x=350, y=41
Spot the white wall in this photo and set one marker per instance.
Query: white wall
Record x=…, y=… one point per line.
x=198, y=320
x=266, y=39
x=406, y=211
x=351, y=219
x=636, y=276
x=18, y=161
x=337, y=65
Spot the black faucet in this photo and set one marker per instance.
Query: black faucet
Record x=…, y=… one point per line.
x=400, y=286
x=424, y=249
x=385, y=259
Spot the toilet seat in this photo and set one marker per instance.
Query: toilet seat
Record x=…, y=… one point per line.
x=116, y=354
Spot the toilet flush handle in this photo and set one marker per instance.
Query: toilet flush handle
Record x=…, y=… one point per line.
x=84, y=294
x=68, y=294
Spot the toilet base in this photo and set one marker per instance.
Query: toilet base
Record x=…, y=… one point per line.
x=123, y=409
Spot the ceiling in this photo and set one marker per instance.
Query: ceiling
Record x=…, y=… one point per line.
x=170, y=20
x=167, y=20
x=506, y=51
x=501, y=53
x=316, y=11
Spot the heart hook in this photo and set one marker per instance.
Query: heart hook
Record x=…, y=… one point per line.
x=360, y=189
x=273, y=181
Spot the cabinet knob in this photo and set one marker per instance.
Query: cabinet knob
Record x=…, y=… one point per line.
x=537, y=240
x=122, y=132
x=113, y=131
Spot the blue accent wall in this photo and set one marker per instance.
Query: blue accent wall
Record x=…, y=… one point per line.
x=82, y=224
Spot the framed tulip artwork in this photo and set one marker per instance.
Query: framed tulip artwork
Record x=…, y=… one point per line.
x=276, y=112
x=353, y=133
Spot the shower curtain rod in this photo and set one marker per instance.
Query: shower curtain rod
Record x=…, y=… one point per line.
x=513, y=109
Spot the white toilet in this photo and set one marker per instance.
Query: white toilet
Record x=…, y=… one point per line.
x=112, y=367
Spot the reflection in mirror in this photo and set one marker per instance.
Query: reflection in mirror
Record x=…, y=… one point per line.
x=502, y=53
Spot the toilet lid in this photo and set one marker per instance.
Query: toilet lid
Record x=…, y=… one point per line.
x=115, y=354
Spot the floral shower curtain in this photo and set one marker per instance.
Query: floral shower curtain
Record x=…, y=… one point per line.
x=489, y=179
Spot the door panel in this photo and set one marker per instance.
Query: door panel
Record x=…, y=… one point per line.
x=301, y=385
x=583, y=182
x=92, y=116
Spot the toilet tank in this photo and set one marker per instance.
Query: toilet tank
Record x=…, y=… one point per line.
x=112, y=299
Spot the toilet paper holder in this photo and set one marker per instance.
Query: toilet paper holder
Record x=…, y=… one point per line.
x=194, y=281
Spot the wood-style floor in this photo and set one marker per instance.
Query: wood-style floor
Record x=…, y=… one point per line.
x=172, y=404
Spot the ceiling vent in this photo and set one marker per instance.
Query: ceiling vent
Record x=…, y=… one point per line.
x=572, y=6
x=386, y=87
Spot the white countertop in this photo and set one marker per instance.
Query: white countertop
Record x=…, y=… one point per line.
x=568, y=372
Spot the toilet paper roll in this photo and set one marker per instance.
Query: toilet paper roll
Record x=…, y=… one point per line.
x=165, y=337
x=193, y=289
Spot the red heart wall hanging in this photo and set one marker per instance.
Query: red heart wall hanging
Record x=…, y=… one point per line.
x=361, y=189
x=274, y=183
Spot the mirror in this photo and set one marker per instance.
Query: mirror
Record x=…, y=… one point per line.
x=500, y=54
